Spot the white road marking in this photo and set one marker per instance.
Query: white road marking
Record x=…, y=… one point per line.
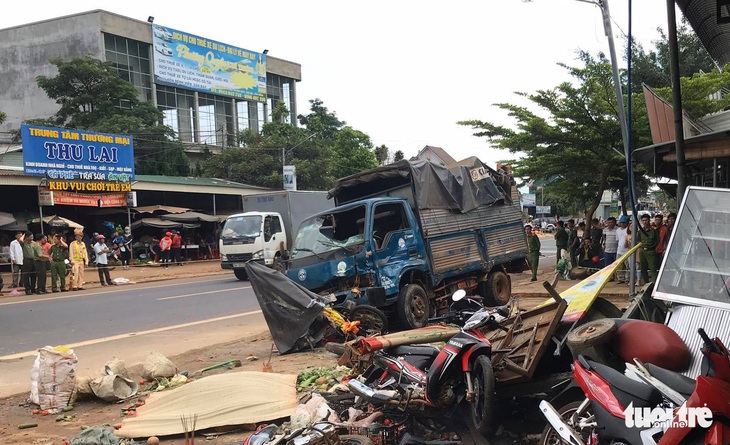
x=203, y=293
x=86, y=294
x=132, y=334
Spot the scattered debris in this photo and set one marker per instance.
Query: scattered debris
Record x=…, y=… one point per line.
x=156, y=365
x=230, y=363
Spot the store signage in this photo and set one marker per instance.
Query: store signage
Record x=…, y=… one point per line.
x=64, y=154
x=542, y=209
x=45, y=198
x=197, y=63
x=89, y=200
x=528, y=200
x=88, y=186
x=131, y=199
x=290, y=177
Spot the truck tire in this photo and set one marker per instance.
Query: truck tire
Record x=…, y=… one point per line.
x=372, y=320
x=413, y=306
x=240, y=274
x=497, y=291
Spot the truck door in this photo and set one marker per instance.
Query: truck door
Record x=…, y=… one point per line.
x=393, y=243
x=274, y=236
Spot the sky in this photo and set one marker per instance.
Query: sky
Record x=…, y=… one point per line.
x=404, y=72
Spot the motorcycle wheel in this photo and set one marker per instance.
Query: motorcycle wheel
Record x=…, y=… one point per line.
x=372, y=320
x=413, y=306
x=482, y=408
x=551, y=437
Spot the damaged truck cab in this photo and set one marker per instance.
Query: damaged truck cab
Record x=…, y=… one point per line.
x=407, y=235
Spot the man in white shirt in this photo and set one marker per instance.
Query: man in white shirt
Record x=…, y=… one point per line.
x=101, y=250
x=622, y=234
x=609, y=241
x=16, y=257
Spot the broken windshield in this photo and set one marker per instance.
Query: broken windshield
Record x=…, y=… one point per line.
x=333, y=231
x=242, y=227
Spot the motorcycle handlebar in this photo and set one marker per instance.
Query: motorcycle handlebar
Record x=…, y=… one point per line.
x=709, y=344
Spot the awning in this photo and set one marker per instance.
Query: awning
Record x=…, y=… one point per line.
x=6, y=219
x=161, y=208
x=58, y=221
x=191, y=217
x=162, y=224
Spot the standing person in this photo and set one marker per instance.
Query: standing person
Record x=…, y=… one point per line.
x=623, y=236
x=648, y=241
x=29, y=257
x=573, y=241
x=176, y=246
x=663, y=232
x=533, y=247
x=609, y=241
x=58, y=253
x=16, y=258
x=126, y=248
x=102, y=261
x=79, y=258
x=42, y=262
x=165, y=246
x=596, y=232
x=671, y=219
x=561, y=241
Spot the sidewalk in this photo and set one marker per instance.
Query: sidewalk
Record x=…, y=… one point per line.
x=138, y=274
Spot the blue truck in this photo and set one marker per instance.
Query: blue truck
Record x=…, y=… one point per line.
x=405, y=236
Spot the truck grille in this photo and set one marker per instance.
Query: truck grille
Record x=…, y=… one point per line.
x=239, y=256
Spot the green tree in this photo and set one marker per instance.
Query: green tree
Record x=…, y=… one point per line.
x=92, y=96
x=353, y=153
x=321, y=121
x=578, y=144
x=3, y=116
x=382, y=154
x=398, y=156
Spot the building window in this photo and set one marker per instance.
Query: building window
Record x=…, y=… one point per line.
x=216, y=119
x=286, y=97
x=178, y=107
x=131, y=59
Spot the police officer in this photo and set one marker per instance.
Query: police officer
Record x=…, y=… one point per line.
x=533, y=248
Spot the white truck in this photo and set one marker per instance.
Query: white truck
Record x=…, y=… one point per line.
x=266, y=231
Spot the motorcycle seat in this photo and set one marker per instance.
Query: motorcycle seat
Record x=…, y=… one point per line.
x=626, y=389
x=420, y=356
x=678, y=382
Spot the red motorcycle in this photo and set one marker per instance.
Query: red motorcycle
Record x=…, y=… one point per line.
x=421, y=377
x=618, y=409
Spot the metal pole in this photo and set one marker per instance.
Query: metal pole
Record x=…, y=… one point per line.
x=129, y=218
x=624, y=127
x=283, y=163
x=214, y=204
x=676, y=98
x=714, y=172
x=40, y=211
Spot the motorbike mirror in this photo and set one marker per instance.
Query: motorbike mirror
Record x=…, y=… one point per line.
x=459, y=295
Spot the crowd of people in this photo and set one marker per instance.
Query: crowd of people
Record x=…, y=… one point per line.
x=605, y=242
x=33, y=256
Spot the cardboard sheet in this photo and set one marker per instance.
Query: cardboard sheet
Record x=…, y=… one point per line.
x=218, y=400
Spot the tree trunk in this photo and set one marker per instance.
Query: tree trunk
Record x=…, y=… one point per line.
x=594, y=205
x=622, y=198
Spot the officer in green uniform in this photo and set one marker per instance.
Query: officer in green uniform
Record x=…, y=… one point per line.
x=533, y=249
x=561, y=240
x=573, y=241
x=649, y=241
x=29, y=257
x=59, y=253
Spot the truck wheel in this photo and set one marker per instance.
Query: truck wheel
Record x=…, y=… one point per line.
x=413, y=306
x=372, y=320
x=497, y=291
x=482, y=408
x=240, y=274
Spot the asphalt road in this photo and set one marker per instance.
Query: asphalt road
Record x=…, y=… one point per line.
x=172, y=316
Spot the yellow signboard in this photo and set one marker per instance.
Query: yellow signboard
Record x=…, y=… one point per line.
x=581, y=296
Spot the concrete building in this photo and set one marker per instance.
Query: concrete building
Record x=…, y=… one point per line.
x=202, y=120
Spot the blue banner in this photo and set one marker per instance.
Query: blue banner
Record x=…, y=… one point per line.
x=62, y=153
x=189, y=61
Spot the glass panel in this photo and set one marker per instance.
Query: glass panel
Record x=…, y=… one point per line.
x=696, y=267
x=132, y=46
x=109, y=44
x=121, y=44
